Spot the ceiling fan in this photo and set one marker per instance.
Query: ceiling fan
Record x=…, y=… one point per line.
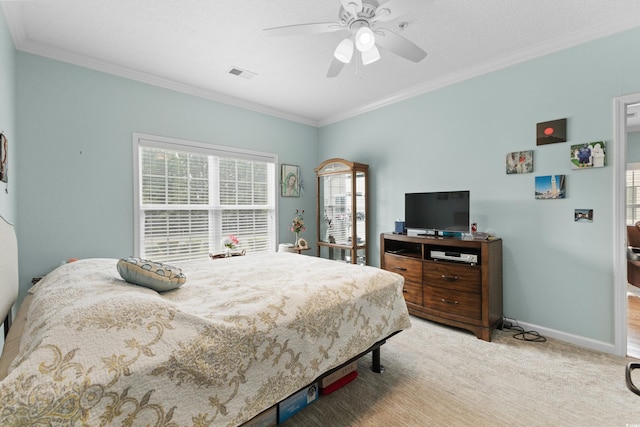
x=360, y=18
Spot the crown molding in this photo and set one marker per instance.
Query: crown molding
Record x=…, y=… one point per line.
x=13, y=17
x=506, y=61
x=154, y=80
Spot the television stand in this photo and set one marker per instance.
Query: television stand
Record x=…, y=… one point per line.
x=464, y=293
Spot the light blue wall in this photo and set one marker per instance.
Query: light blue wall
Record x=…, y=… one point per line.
x=557, y=273
x=8, y=206
x=75, y=174
x=75, y=163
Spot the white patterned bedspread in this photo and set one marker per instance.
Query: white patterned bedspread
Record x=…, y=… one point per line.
x=240, y=335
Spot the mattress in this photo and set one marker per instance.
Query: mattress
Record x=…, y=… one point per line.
x=239, y=336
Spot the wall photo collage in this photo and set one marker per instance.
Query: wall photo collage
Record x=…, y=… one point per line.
x=586, y=155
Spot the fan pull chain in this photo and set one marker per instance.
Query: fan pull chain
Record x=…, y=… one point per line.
x=358, y=62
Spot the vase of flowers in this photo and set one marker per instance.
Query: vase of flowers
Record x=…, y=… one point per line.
x=297, y=225
x=229, y=243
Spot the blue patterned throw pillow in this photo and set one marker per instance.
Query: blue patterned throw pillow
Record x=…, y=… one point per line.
x=154, y=275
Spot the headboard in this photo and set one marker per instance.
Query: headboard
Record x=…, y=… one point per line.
x=8, y=271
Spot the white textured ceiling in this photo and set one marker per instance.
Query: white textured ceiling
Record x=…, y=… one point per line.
x=189, y=45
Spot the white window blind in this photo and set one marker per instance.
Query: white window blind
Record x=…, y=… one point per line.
x=633, y=193
x=190, y=196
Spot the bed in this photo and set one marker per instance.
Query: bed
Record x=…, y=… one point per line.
x=241, y=335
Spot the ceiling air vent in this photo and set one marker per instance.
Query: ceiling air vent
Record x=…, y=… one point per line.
x=241, y=73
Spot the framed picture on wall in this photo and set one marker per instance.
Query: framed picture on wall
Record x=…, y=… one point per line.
x=588, y=155
x=551, y=187
x=520, y=162
x=4, y=145
x=551, y=132
x=290, y=181
x=583, y=215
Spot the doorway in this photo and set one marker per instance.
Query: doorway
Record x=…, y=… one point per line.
x=623, y=315
x=632, y=150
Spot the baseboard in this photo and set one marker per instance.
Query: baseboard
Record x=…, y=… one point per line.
x=578, y=340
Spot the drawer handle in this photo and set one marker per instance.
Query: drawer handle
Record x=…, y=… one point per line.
x=451, y=278
x=448, y=302
x=404, y=291
x=401, y=268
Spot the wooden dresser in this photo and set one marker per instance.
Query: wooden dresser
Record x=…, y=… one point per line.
x=461, y=294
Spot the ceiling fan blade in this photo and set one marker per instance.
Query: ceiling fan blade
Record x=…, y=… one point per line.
x=298, y=29
x=353, y=6
x=335, y=68
x=397, y=44
x=395, y=8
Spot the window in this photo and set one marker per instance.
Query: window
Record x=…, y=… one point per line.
x=189, y=196
x=633, y=193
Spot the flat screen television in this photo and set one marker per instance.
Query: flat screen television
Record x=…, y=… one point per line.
x=438, y=213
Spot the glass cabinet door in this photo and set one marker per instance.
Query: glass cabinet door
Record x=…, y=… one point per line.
x=342, y=211
x=361, y=209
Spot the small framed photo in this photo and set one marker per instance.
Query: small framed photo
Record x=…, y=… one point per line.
x=520, y=162
x=4, y=146
x=551, y=187
x=290, y=181
x=583, y=215
x=551, y=132
x=588, y=155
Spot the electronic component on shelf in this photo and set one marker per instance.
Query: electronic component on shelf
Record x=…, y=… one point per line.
x=455, y=256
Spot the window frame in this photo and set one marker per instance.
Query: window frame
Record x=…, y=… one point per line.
x=634, y=170
x=147, y=140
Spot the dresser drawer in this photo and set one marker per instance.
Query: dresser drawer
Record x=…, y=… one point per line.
x=412, y=292
x=453, y=302
x=459, y=277
x=409, y=268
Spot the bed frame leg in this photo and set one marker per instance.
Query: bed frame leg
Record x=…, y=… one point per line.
x=7, y=323
x=376, y=366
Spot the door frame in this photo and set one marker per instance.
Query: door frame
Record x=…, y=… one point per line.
x=619, y=219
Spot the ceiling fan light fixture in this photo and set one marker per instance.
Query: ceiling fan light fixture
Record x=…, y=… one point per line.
x=365, y=40
x=370, y=56
x=344, y=51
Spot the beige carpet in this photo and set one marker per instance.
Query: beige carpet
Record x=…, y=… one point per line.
x=440, y=376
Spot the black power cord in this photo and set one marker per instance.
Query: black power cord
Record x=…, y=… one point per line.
x=521, y=334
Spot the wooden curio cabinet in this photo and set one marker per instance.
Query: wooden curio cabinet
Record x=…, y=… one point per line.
x=341, y=203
